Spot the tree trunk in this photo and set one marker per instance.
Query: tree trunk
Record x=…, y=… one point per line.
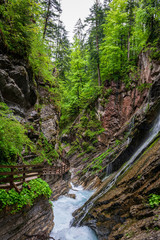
x=128, y=46
x=97, y=47
x=46, y=20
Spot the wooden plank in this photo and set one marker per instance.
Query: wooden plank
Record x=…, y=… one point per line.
x=21, y=166
x=20, y=172
x=7, y=180
x=4, y=186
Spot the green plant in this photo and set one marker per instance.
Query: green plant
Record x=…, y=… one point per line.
x=12, y=136
x=32, y=190
x=157, y=228
x=154, y=200
x=144, y=86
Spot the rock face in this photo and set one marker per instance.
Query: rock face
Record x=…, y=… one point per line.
x=124, y=211
x=31, y=221
x=21, y=92
x=16, y=85
x=123, y=102
x=49, y=123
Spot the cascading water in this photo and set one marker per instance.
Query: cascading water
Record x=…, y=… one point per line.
x=63, y=209
x=148, y=140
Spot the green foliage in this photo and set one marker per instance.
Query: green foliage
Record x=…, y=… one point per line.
x=44, y=151
x=17, y=24
x=39, y=59
x=21, y=28
x=113, y=53
x=97, y=163
x=12, y=136
x=154, y=200
x=32, y=190
x=144, y=86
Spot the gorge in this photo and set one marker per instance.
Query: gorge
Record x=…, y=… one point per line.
x=80, y=122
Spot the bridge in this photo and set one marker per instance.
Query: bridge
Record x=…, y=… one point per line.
x=14, y=176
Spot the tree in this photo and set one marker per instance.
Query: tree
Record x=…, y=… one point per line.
x=95, y=21
x=51, y=14
x=79, y=31
x=61, y=51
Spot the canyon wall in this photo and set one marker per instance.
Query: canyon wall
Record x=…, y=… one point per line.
x=30, y=221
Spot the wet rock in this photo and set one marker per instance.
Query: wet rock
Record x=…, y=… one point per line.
x=21, y=79
x=122, y=213
x=30, y=221
x=71, y=196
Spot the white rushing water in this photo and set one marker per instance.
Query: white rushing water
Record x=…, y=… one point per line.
x=63, y=209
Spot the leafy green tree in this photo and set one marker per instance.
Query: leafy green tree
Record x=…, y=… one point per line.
x=115, y=50
x=147, y=23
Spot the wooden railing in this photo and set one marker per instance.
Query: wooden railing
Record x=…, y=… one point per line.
x=17, y=175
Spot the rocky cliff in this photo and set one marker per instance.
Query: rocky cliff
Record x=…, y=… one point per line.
x=31, y=221
x=33, y=106
x=122, y=112
x=22, y=91
x=120, y=208
x=124, y=211
x=124, y=101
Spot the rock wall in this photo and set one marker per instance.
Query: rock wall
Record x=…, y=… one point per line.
x=30, y=221
x=16, y=85
x=124, y=211
x=123, y=102
x=21, y=92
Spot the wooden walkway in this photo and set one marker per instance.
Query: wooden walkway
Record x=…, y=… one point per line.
x=15, y=176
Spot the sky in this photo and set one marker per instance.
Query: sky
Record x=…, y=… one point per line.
x=72, y=10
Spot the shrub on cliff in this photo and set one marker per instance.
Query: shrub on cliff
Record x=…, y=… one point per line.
x=16, y=201
x=12, y=136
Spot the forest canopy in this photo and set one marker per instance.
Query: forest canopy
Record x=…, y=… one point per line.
x=105, y=46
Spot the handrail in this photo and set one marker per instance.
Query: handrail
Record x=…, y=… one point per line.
x=28, y=172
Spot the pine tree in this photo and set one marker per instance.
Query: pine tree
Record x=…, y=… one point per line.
x=51, y=14
x=95, y=21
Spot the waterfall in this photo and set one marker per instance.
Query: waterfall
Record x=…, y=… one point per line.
x=147, y=141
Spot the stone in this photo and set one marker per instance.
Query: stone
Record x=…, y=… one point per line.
x=4, y=62
x=71, y=196
x=20, y=77
x=16, y=84
x=13, y=93
x=3, y=78
x=30, y=221
x=124, y=211
x=49, y=122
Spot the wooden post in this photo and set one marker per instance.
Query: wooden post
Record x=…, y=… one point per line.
x=11, y=179
x=24, y=174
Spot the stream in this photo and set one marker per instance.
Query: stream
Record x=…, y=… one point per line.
x=63, y=209
x=65, y=206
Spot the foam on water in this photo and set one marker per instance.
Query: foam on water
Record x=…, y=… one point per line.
x=63, y=209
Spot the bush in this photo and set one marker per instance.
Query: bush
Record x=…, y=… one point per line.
x=32, y=190
x=154, y=200
x=12, y=136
